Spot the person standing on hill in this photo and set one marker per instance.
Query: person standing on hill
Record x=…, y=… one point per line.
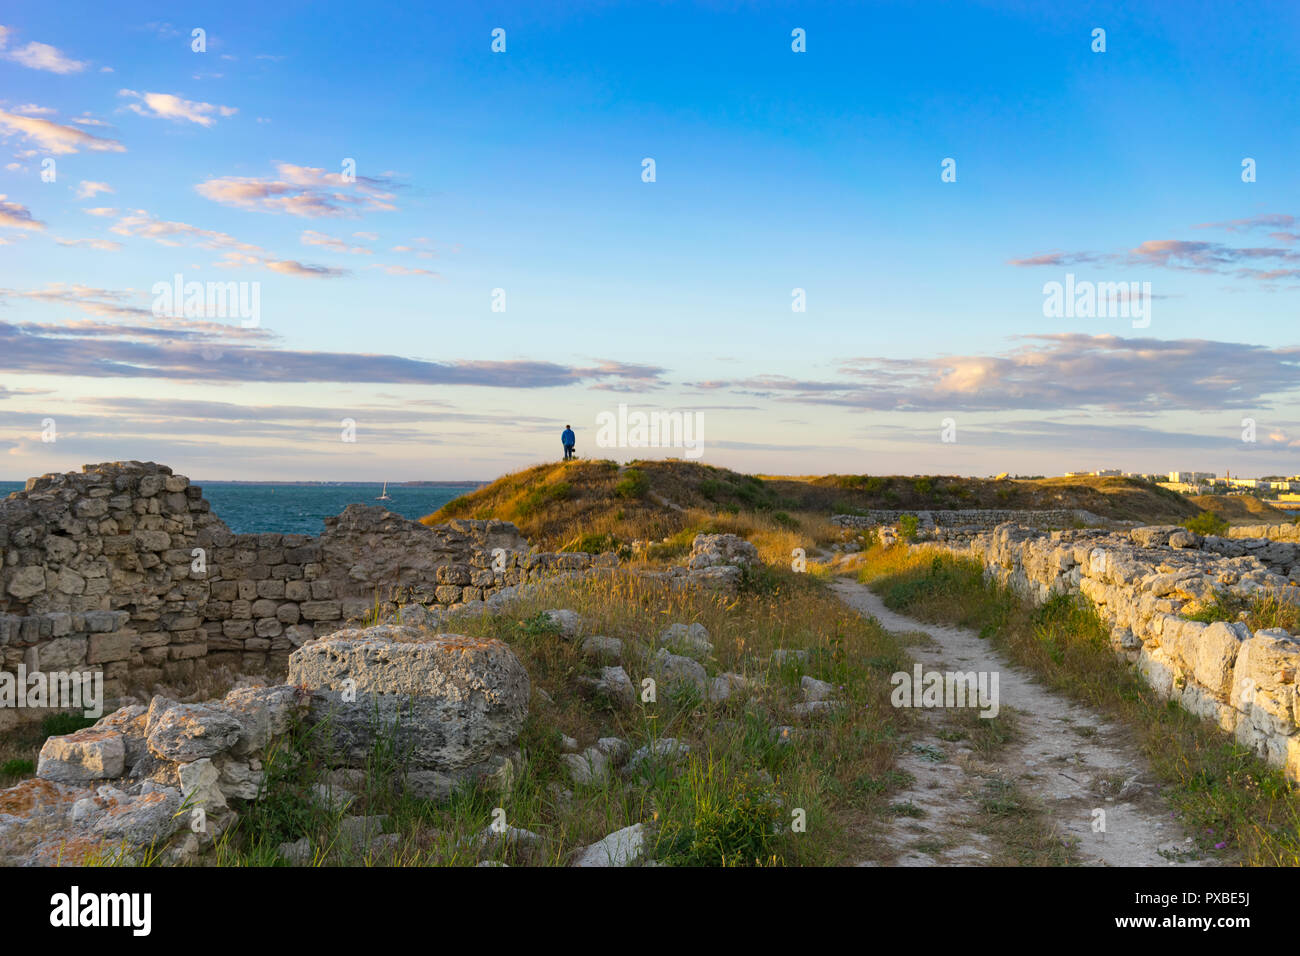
x=568, y=440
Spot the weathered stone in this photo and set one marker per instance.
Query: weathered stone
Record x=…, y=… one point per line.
x=568, y=622
x=710, y=550
x=816, y=690
x=691, y=640
x=144, y=820
x=184, y=732
x=620, y=848
x=613, y=685
x=455, y=701
x=677, y=669
x=602, y=648
x=90, y=754
x=26, y=583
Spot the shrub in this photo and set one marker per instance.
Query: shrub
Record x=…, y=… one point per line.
x=593, y=543
x=908, y=526
x=635, y=484
x=17, y=768
x=871, y=484
x=1207, y=522
x=538, y=498
x=540, y=624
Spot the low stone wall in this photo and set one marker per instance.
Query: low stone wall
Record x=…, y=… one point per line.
x=971, y=518
x=1270, y=532
x=123, y=568
x=1142, y=583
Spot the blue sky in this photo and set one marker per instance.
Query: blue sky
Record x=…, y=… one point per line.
x=522, y=171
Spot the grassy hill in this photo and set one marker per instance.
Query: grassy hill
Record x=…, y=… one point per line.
x=1242, y=509
x=588, y=505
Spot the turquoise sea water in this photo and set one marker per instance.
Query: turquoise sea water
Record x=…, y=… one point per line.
x=300, y=509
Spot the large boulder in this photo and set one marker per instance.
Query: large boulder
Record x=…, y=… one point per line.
x=453, y=703
x=90, y=754
x=712, y=550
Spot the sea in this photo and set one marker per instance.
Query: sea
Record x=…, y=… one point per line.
x=301, y=509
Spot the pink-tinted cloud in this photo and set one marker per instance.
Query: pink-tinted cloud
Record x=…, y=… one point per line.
x=301, y=191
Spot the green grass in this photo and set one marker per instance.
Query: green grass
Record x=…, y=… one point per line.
x=1258, y=612
x=742, y=796
x=712, y=817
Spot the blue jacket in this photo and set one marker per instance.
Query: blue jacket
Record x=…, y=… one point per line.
x=568, y=439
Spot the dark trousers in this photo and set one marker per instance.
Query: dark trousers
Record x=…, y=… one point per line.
x=568, y=452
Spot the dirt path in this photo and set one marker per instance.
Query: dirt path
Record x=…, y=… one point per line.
x=1068, y=757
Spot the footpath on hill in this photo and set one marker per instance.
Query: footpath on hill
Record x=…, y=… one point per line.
x=1094, y=787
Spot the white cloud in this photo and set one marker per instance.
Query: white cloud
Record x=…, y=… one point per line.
x=40, y=56
x=300, y=191
x=172, y=107
x=141, y=223
x=55, y=138
x=404, y=271
x=289, y=267
x=17, y=216
x=88, y=189
x=312, y=238
x=103, y=245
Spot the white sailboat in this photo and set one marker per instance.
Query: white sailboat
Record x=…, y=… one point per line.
x=384, y=495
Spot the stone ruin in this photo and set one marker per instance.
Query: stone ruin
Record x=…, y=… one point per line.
x=157, y=780
x=124, y=570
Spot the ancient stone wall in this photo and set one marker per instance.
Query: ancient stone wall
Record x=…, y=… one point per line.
x=1145, y=583
x=124, y=569
x=1270, y=532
